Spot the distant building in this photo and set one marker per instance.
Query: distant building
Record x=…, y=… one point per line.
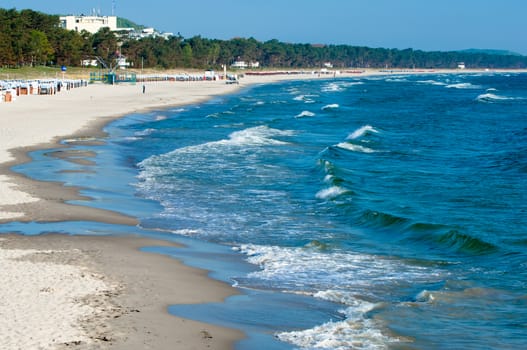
x=148, y=31
x=89, y=63
x=145, y=33
x=90, y=24
x=461, y=65
x=93, y=24
x=122, y=63
x=239, y=65
x=243, y=65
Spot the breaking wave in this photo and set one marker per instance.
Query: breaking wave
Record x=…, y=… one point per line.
x=331, y=192
x=355, y=148
x=432, y=82
x=363, y=130
x=331, y=106
x=338, y=277
x=463, y=86
x=305, y=114
x=493, y=98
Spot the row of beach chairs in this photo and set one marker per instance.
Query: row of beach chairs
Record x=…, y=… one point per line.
x=11, y=89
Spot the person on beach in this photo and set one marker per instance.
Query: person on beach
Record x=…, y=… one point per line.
x=144, y=88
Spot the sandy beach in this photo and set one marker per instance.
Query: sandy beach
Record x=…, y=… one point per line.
x=81, y=292
x=64, y=292
x=40, y=121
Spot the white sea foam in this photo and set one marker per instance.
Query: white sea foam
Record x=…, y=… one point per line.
x=357, y=331
x=431, y=82
x=256, y=136
x=305, y=114
x=145, y=132
x=354, y=83
x=186, y=232
x=344, y=335
x=331, y=106
x=339, y=86
x=305, y=98
x=299, y=98
x=328, y=166
x=328, y=178
x=396, y=80
x=251, y=137
x=304, y=269
x=361, y=132
x=332, y=87
x=463, y=86
x=425, y=296
x=293, y=90
x=178, y=110
x=331, y=192
x=490, y=97
x=259, y=135
x=355, y=148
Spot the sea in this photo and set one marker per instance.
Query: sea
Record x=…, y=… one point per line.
x=380, y=212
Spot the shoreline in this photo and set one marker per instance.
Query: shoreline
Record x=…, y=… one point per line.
x=75, y=115
x=41, y=122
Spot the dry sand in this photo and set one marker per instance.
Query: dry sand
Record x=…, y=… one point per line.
x=82, y=292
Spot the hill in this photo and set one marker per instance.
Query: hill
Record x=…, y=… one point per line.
x=126, y=23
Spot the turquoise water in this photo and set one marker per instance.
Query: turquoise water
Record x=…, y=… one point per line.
x=368, y=213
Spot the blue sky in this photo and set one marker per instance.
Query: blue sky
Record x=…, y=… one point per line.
x=418, y=24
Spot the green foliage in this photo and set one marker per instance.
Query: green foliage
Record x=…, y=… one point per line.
x=491, y=52
x=126, y=23
x=38, y=48
x=30, y=38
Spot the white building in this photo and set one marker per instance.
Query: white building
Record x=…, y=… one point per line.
x=239, y=65
x=243, y=65
x=122, y=63
x=90, y=24
x=89, y=63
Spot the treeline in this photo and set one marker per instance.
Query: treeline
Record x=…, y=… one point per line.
x=29, y=38
x=32, y=38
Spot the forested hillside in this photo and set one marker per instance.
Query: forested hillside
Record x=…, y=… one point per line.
x=29, y=38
